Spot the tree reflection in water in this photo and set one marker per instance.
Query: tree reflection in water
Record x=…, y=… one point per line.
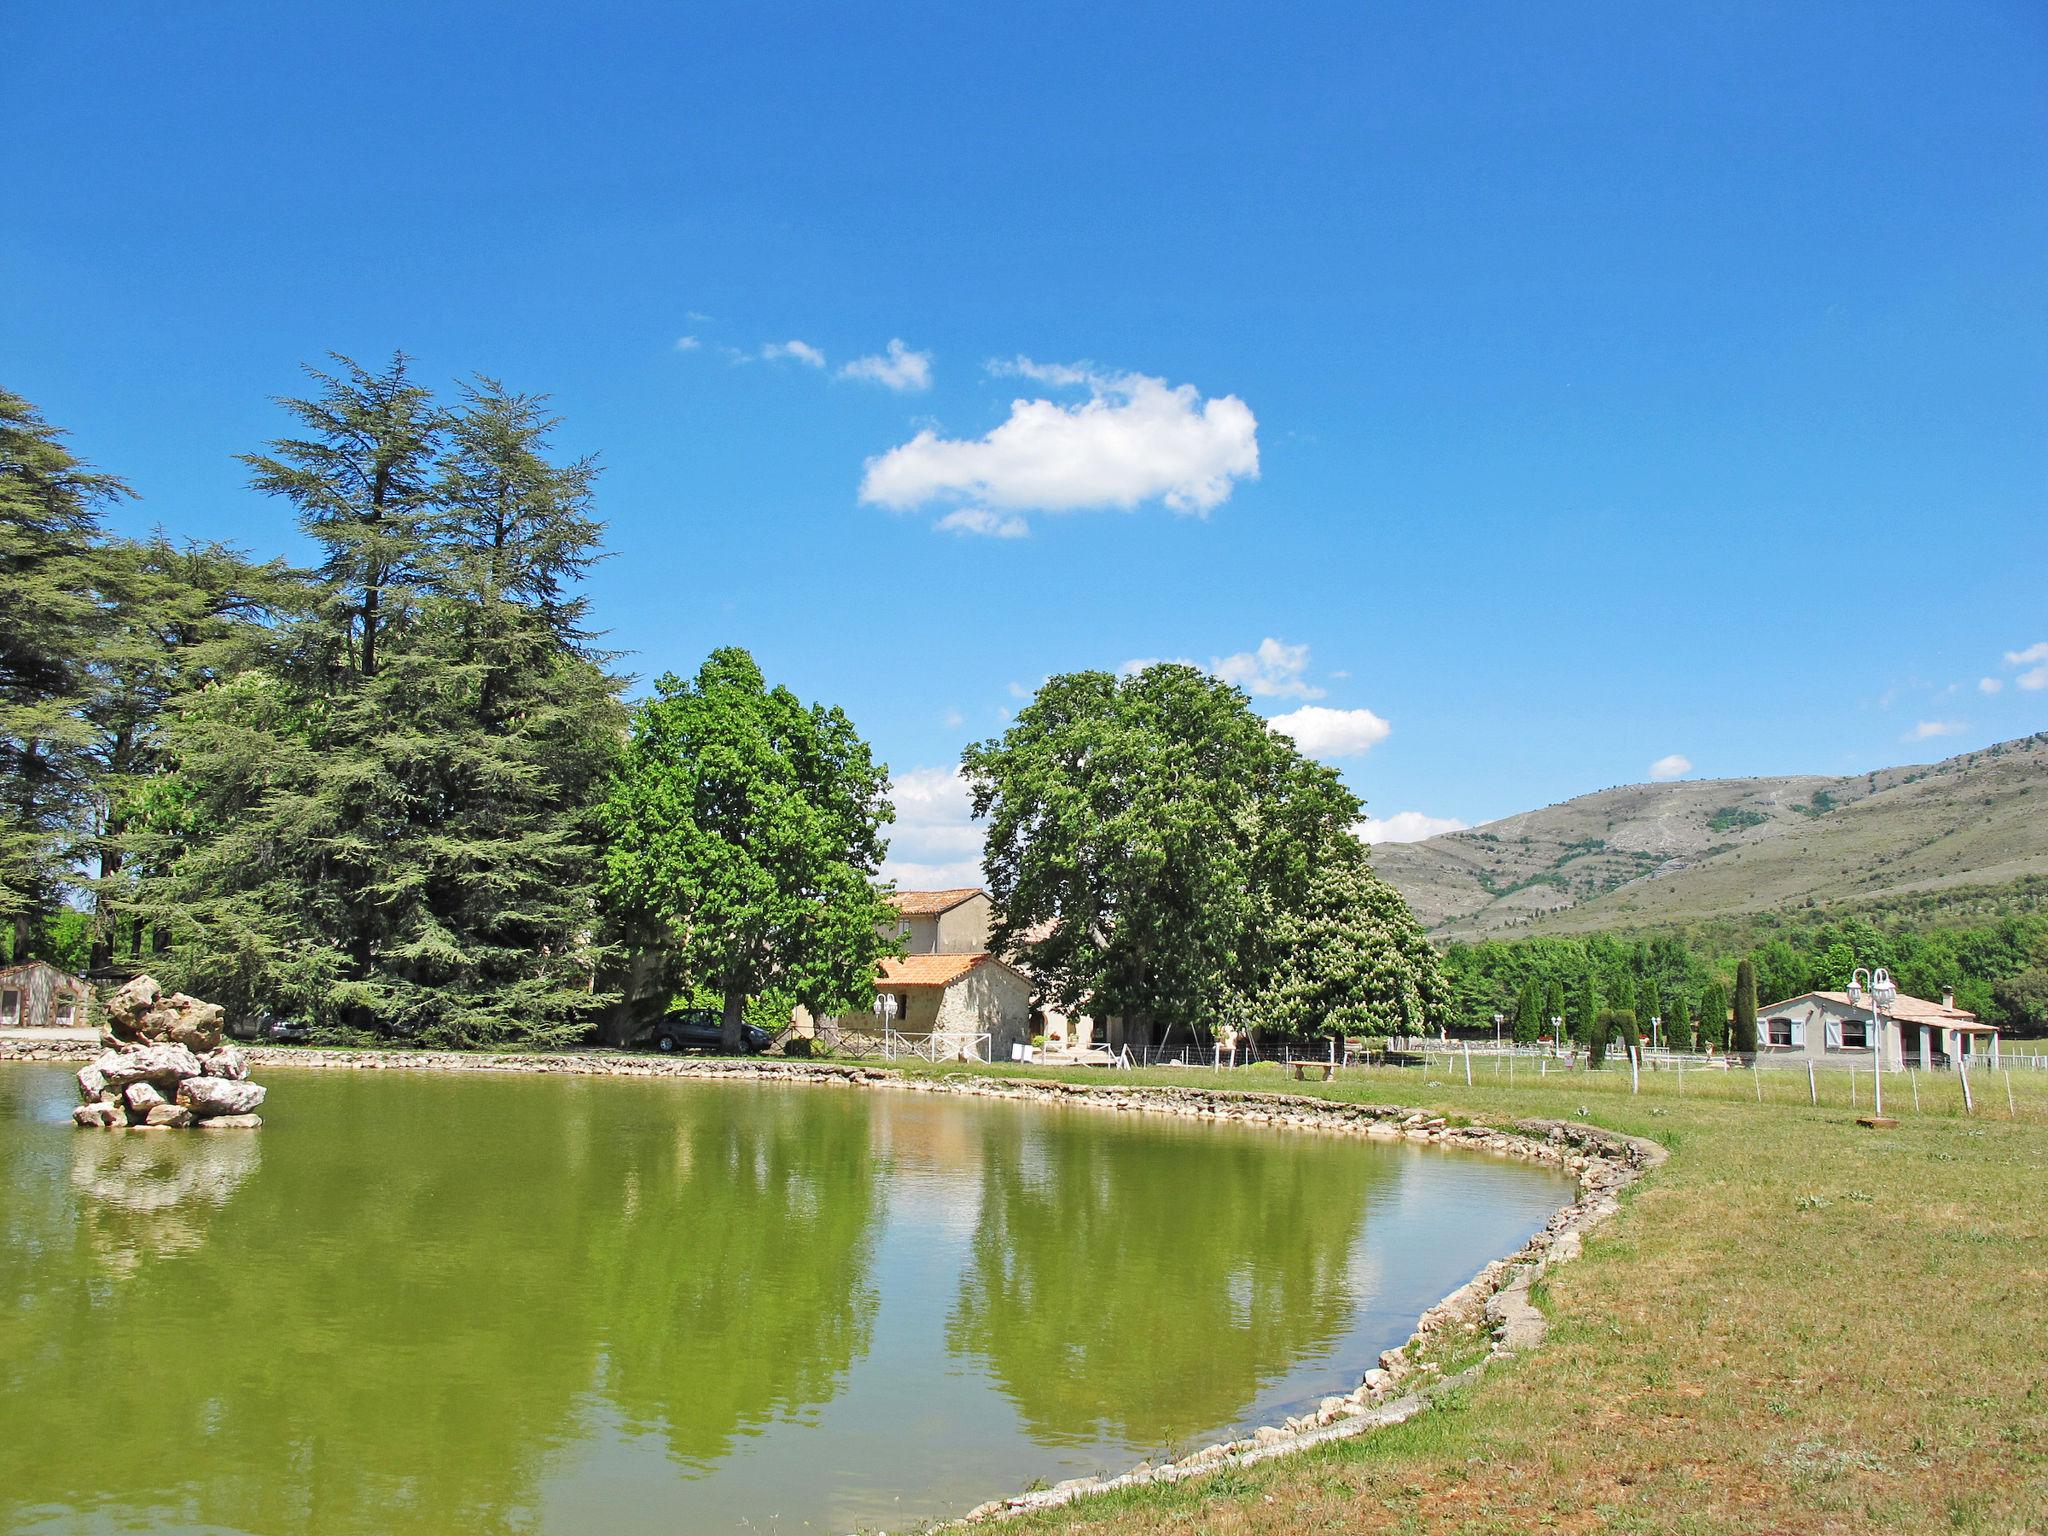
x=1143, y=1294
x=399, y=1323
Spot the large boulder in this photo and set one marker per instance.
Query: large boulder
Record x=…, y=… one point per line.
x=141, y=1098
x=92, y=1082
x=168, y=1114
x=184, y=1021
x=225, y=1062
x=207, y=1097
x=162, y=1065
x=230, y=1123
x=101, y=1115
x=129, y=1006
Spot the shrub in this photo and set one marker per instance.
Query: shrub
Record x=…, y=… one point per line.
x=1743, y=1037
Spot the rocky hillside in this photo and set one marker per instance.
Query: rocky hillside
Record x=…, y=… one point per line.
x=1658, y=853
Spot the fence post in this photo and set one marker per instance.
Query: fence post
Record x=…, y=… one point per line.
x=1634, y=1074
x=1468, y=1063
x=1812, y=1087
x=1757, y=1078
x=1963, y=1071
x=2009, y=1108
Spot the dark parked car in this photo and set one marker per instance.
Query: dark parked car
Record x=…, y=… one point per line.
x=699, y=1029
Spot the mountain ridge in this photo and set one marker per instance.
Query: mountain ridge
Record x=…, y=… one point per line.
x=1644, y=855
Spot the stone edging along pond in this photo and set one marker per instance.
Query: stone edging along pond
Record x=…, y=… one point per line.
x=1495, y=1301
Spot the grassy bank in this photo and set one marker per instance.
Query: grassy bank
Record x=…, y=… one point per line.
x=1796, y=1325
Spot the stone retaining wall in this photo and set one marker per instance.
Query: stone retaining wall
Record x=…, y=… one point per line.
x=1495, y=1301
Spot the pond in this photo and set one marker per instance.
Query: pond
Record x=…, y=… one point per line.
x=557, y=1304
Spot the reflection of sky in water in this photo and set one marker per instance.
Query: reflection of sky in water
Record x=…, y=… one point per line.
x=546, y=1304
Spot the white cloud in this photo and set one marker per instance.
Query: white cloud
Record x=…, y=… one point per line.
x=1990, y=685
x=935, y=842
x=697, y=317
x=1405, y=827
x=1674, y=766
x=1058, y=375
x=1019, y=691
x=802, y=351
x=1928, y=729
x=992, y=525
x=2034, y=681
x=900, y=369
x=1273, y=671
x=2034, y=653
x=687, y=343
x=1135, y=439
x=1322, y=732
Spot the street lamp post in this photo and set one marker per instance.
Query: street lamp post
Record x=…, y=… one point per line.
x=1883, y=993
x=1498, y=1020
x=1655, y=1021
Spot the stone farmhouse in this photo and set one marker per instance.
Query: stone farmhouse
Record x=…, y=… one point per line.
x=1827, y=1026
x=947, y=986
x=38, y=995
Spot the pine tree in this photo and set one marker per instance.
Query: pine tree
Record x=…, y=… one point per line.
x=389, y=827
x=1742, y=1038
x=51, y=616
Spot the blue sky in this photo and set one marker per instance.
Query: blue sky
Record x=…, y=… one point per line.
x=1550, y=391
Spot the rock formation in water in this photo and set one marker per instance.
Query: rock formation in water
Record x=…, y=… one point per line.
x=166, y=1065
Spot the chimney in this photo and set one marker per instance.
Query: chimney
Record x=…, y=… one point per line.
x=1948, y=997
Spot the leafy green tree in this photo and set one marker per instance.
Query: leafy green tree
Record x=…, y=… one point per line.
x=2021, y=1001
x=1145, y=836
x=1352, y=960
x=743, y=833
x=1553, y=1007
x=1714, y=1017
x=51, y=616
x=1588, y=1006
x=1742, y=1037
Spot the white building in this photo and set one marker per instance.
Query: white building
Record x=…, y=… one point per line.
x=1917, y=1033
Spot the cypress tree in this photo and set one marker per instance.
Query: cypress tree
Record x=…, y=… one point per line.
x=1553, y=1008
x=1648, y=1004
x=1528, y=1009
x=50, y=619
x=1714, y=1016
x=1677, y=1025
x=1588, y=1006
x=1743, y=1037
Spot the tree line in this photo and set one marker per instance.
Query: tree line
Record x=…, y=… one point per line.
x=1687, y=978
x=399, y=795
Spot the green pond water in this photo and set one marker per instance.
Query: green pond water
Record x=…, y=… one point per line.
x=422, y=1304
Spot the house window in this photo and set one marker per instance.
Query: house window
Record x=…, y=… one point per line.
x=1781, y=1032
x=10, y=1007
x=1855, y=1035
x=66, y=1011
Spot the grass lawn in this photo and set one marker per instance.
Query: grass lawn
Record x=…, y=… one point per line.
x=1795, y=1325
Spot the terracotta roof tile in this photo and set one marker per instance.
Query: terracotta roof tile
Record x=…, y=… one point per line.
x=1914, y=1010
x=926, y=970
x=930, y=903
